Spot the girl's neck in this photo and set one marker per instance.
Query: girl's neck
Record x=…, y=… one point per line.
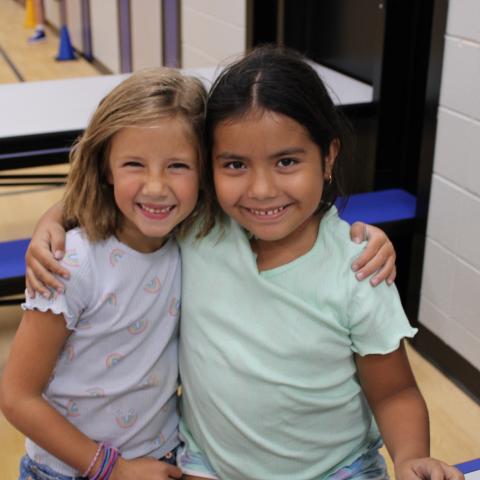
x=273, y=254
x=137, y=242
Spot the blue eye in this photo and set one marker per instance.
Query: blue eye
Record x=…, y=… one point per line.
x=179, y=165
x=132, y=163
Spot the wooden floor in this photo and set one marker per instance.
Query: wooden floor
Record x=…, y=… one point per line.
x=455, y=418
x=32, y=62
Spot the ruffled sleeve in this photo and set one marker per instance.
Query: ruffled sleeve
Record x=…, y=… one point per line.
x=79, y=287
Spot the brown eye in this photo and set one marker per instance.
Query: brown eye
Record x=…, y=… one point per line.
x=287, y=162
x=235, y=165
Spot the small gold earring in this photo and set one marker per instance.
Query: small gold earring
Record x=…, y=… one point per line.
x=329, y=179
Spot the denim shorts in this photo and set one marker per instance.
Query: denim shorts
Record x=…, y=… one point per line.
x=371, y=465
x=31, y=470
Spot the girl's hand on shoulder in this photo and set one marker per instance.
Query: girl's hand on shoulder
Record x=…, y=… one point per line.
x=144, y=468
x=378, y=257
x=426, y=468
x=46, y=248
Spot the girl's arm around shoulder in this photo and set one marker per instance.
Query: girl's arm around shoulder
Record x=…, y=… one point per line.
x=46, y=248
x=378, y=258
x=401, y=414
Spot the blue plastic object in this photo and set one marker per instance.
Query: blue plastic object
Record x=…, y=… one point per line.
x=65, y=50
x=378, y=207
x=12, y=258
x=468, y=467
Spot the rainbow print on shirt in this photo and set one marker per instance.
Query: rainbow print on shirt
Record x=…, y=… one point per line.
x=72, y=409
x=96, y=392
x=126, y=420
x=137, y=327
x=69, y=352
x=153, y=286
x=113, y=359
x=83, y=324
x=71, y=258
x=111, y=299
x=115, y=256
x=151, y=381
x=174, y=307
x=159, y=441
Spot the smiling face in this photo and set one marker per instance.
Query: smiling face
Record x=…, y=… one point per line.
x=155, y=174
x=269, y=177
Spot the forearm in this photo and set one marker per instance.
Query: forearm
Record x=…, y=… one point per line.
x=403, y=422
x=53, y=215
x=40, y=422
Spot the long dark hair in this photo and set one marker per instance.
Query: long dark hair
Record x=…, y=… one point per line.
x=280, y=80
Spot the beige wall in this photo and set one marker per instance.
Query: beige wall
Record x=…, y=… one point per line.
x=146, y=34
x=74, y=23
x=105, y=34
x=212, y=31
x=52, y=12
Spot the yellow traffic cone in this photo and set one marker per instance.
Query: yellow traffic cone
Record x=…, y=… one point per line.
x=30, y=21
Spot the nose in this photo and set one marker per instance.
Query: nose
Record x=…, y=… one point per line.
x=155, y=184
x=262, y=185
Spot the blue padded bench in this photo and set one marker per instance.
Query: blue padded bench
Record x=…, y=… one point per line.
x=471, y=467
x=12, y=269
x=379, y=207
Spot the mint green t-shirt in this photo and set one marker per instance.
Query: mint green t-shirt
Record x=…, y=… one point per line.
x=270, y=389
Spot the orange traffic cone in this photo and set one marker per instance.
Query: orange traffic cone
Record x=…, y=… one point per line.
x=30, y=20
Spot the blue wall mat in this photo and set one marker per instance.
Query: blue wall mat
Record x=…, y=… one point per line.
x=12, y=258
x=378, y=207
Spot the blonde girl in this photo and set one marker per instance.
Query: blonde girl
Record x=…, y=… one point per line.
x=92, y=375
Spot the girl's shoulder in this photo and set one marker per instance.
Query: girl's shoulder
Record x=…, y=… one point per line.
x=78, y=242
x=83, y=256
x=336, y=234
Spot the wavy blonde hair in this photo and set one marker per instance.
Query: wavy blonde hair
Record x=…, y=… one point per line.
x=142, y=99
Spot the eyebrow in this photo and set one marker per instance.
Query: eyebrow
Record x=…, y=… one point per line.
x=281, y=153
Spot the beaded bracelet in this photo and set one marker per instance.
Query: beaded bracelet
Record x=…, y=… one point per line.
x=94, y=459
x=110, y=457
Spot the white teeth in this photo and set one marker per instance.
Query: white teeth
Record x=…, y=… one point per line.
x=261, y=213
x=156, y=210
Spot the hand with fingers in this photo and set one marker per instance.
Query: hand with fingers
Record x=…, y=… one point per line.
x=378, y=257
x=426, y=468
x=144, y=468
x=42, y=259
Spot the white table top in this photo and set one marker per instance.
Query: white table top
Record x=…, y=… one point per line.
x=56, y=106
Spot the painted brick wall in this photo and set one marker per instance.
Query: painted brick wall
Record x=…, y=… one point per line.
x=212, y=31
x=450, y=297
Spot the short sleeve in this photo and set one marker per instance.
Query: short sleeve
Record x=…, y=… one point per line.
x=78, y=288
x=377, y=321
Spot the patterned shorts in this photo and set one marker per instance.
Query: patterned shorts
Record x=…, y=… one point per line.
x=31, y=470
x=369, y=466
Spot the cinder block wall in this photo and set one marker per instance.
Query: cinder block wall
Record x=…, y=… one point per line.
x=450, y=296
x=212, y=31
